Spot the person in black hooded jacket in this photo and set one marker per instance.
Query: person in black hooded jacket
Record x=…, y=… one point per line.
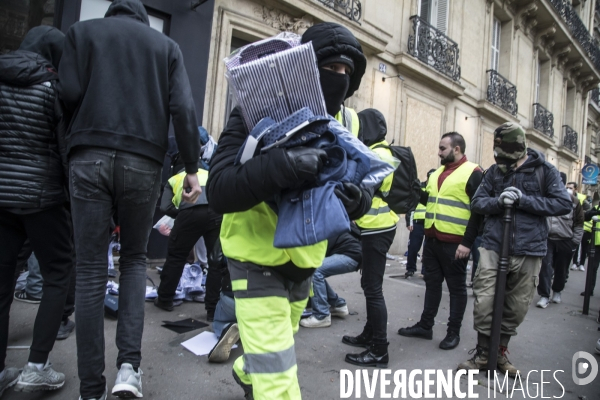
x=33, y=198
x=121, y=82
x=271, y=285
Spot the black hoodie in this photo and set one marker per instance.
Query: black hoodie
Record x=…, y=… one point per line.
x=373, y=127
x=31, y=173
x=121, y=81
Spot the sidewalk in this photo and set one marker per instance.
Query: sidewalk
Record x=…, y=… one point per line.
x=547, y=340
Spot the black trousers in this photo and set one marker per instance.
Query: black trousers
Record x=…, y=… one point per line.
x=49, y=231
x=440, y=265
x=579, y=257
x=374, y=248
x=594, y=267
x=557, y=260
x=190, y=225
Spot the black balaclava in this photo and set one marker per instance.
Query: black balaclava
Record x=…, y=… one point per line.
x=335, y=86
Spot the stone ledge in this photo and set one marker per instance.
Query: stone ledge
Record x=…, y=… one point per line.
x=539, y=137
x=410, y=66
x=567, y=153
x=495, y=113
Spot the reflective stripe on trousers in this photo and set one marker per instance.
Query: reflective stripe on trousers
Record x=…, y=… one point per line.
x=268, y=309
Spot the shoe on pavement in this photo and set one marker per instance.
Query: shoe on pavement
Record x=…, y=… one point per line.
x=314, y=322
x=65, y=329
x=504, y=365
x=375, y=356
x=478, y=361
x=450, y=342
x=583, y=294
x=25, y=298
x=470, y=284
x=556, y=297
x=129, y=383
x=167, y=305
x=543, y=303
x=416, y=331
x=34, y=380
x=574, y=267
x=229, y=337
x=362, y=340
x=597, y=350
x=103, y=397
x=582, y=268
x=408, y=274
x=9, y=379
x=339, y=311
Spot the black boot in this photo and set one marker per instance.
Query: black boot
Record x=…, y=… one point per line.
x=362, y=340
x=375, y=356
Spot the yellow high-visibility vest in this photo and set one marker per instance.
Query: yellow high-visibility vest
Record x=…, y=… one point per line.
x=380, y=216
x=419, y=212
x=450, y=207
x=349, y=118
x=176, y=182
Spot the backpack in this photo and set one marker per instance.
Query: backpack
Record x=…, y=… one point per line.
x=405, y=192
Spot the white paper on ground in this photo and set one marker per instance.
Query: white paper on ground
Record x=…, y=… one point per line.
x=203, y=343
x=166, y=220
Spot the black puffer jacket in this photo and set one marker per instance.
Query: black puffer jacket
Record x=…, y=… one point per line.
x=529, y=228
x=31, y=172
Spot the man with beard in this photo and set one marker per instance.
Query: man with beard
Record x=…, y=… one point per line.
x=450, y=230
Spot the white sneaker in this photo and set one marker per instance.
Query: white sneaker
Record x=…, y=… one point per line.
x=339, y=311
x=581, y=268
x=129, y=383
x=543, y=303
x=556, y=297
x=574, y=267
x=34, y=380
x=313, y=322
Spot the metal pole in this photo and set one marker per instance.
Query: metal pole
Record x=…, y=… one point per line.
x=591, y=264
x=500, y=290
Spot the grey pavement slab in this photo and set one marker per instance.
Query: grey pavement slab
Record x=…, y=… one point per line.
x=547, y=340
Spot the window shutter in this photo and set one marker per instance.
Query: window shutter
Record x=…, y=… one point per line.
x=425, y=10
x=442, y=15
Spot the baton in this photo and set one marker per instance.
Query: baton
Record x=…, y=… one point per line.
x=500, y=290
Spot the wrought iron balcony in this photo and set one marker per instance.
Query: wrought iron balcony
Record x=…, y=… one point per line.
x=578, y=30
x=570, y=138
x=543, y=120
x=349, y=8
x=502, y=93
x=432, y=47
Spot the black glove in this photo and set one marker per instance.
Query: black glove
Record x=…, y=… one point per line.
x=351, y=197
x=306, y=162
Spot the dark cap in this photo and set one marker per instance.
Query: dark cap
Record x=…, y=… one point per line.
x=340, y=59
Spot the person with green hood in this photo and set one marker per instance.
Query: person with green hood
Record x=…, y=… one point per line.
x=523, y=179
x=33, y=201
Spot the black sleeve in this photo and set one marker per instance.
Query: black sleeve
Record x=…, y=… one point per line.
x=476, y=219
x=233, y=188
x=365, y=204
x=183, y=113
x=590, y=213
x=424, y=197
x=166, y=202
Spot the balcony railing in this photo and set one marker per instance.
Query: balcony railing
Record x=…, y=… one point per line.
x=570, y=138
x=349, y=8
x=435, y=49
x=578, y=30
x=543, y=120
x=502, y=93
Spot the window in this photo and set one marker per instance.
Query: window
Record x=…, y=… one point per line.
x=435, y=12
x=537, y=82
x=496, y=31
x=17, y=17
x=97, y=8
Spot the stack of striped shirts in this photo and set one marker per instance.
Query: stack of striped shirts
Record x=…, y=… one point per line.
x=274, y=78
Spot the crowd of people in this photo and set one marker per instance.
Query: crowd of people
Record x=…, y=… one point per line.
x=87, y=116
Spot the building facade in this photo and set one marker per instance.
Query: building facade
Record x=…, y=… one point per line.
x=464, y=65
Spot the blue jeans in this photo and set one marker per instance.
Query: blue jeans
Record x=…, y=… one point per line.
x=415, y=241
x=224, y=314
x=324, y=296
x=34, y=278
x=102, y=182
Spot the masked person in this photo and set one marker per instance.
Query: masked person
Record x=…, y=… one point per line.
x=523, y=179
x=580, y=252
x=271, y=285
